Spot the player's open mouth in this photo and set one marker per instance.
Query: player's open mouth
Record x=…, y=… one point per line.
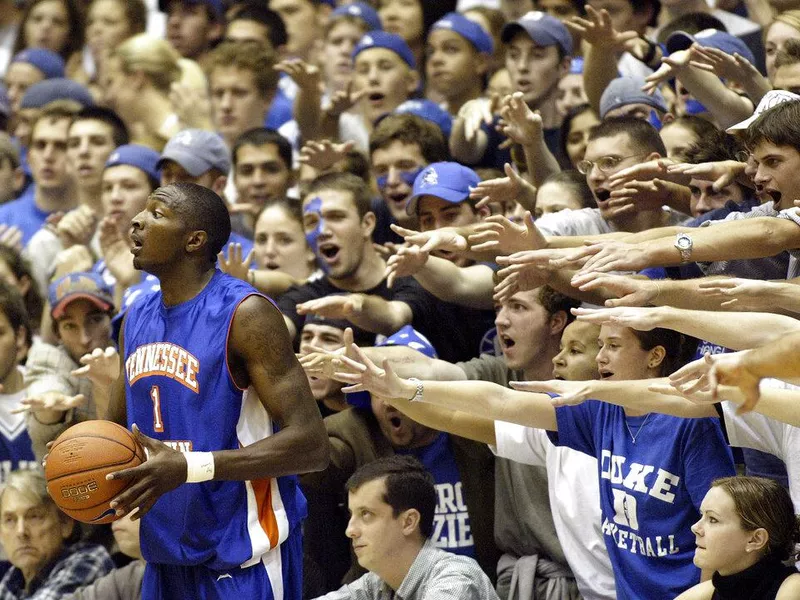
x=775, y=195
x=396, y=422
x=400, y=200
x=272, y=266
x=376, y=97
x=606, y=374
x=136, y=244
x=507, y=341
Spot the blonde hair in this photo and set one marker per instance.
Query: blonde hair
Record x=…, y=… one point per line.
x=154, y=57
x=787, y=17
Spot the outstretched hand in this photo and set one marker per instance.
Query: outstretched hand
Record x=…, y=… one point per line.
x=163, y=471
x=569, y=393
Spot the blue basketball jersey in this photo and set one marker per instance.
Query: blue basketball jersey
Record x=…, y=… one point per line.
x=16, y=451
x=179, y=390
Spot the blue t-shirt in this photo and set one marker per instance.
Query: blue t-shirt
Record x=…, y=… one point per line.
x=650, y=490
x=280, y=111
x=451, y=527
x=24, y=213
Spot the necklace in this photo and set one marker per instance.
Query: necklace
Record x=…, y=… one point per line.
x=628, y=427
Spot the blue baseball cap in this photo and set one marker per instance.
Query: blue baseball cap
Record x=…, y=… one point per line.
x=406, y=336
x=542, y=29
x=712, y=38
x=197, y=151
x=359, y=10
x=430, y=111
x=390, y=41
x=76, y=286
x=47, y=61
x=469, y=30
x=57, y=88
x=215, y=6
x=623, y=91
x=141, y=157
x=449, y=181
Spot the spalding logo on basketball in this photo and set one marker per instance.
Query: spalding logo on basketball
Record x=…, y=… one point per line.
x=78, y=463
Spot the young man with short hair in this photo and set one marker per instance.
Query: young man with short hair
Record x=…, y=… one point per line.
x=193, y=26
x=243, y=84
x=392, y=503
x=401, y=145
x=262, y=171
x=52, y=188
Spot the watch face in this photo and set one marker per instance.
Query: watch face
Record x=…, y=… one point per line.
x=684, y=243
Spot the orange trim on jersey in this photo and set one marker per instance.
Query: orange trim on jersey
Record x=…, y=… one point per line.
x=262, y=489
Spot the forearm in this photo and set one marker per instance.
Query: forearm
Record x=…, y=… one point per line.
x=752, y=329
x=784, y=296
x=307, y=113
x=293, y=450
x=724, y=104
x=540, y=162
x=381, y=316
x=575, y=241
x=452, y=421
x=328, y=127
x=490, y=401
x=600, y=69
x=780, y=360
x=683, y=293
x=463, y=150
x=781, y=405
x=635, y=395
x=272, y=283
x=470, y=286
x=408, y=362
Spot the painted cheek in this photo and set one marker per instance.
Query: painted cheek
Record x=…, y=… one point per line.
x=314, y=208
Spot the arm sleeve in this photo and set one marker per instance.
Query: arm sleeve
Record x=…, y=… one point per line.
x=365, y=587
x=707, y=457
x=577, y=427
x=753, y=430
x=408, y=290
x=520, y=444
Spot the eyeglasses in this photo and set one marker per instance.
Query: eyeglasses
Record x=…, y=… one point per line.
x=604, y=163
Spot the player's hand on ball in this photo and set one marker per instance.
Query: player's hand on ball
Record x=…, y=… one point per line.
x=163, y=471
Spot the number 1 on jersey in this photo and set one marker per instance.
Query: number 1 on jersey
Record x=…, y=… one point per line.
x=155, y=396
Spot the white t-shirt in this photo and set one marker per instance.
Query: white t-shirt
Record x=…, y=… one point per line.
x=754, y=430
x=574, y=493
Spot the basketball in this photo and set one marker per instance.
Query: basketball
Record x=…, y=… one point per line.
x=77, y=465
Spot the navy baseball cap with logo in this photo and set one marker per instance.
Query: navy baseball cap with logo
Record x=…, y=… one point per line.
x=390, y=41
x=430, y=111
x=449, y=181
x=141, y=157
x=469, y=30
x=359, y=10
x=197, y=151
x=542, y=29
x=80, y=286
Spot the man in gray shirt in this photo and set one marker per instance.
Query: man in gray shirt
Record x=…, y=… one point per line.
x=392, y=502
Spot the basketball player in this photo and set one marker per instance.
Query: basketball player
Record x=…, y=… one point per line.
x=209, y=376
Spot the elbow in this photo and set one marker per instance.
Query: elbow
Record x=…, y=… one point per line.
x=319, y=454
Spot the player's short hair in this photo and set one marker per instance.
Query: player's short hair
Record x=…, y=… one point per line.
x=716, y=146
x=780, y=125
x=13, y=307
x=344, y=182
x=554, y=302
x=247, y=56
x=643, y=136
x=201, y=210
x=119, y=132
x=410, y=129
x=261, y=136
x=408, y=485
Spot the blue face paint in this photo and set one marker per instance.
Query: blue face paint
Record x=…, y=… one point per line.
x=654, y=120
x=693, y=107
x=314, y=207
x=407, y=177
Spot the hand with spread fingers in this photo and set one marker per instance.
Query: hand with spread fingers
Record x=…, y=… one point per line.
x=511, y=188
x=741, y=294
x=305, y=75
x=570, y=393
x=671, y=66
x=49, y=406
x=324, y=154
x=438, y=239
x=519, y=278
x=714, y=371
x=722, y=173
x=615, y=256
x=519, y=123
x=629, y=291
x=101, y=366
x=77, y=227
x=406, y=262
x=475, y=113
x=163, y=471
x=597, y=30
x=236, y=265
x=654, y=169
x=365, y=375
x=502, y=236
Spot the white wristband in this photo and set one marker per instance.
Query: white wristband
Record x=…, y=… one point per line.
x=199, y=466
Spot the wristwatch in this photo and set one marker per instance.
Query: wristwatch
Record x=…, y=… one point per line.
x=683, y=242
x=418, y=394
